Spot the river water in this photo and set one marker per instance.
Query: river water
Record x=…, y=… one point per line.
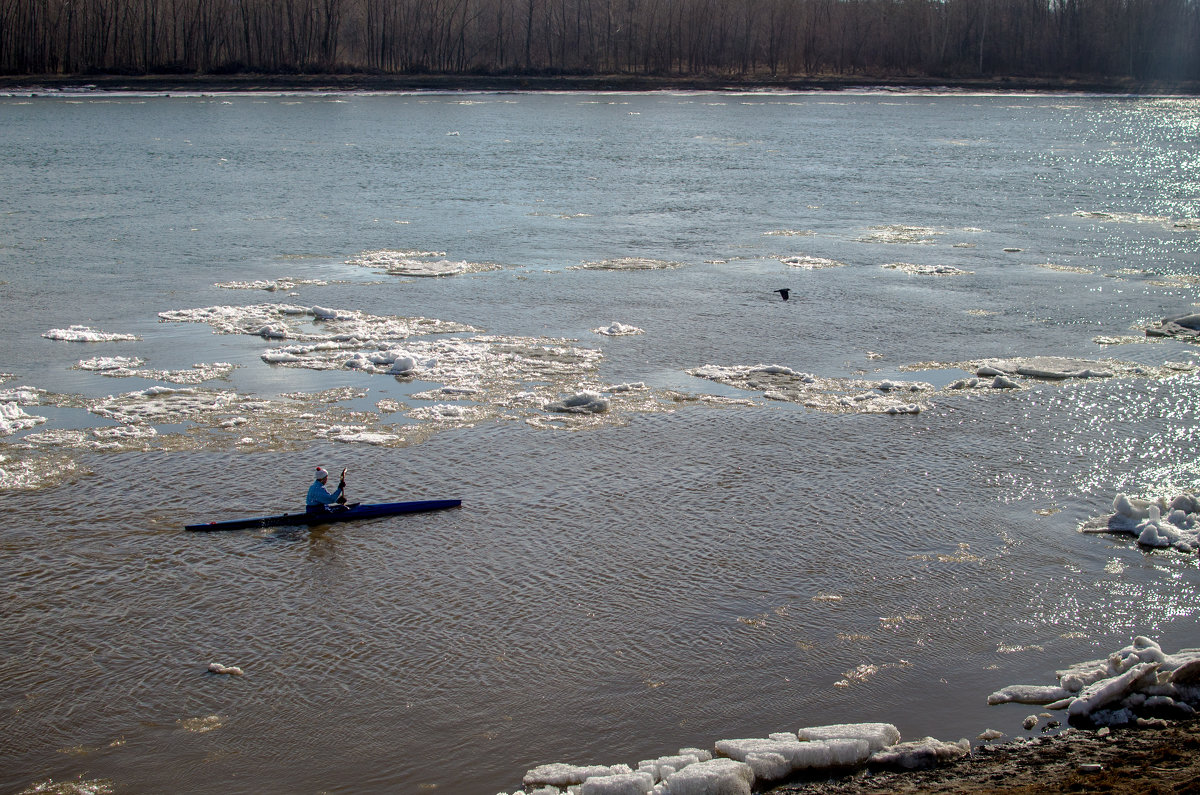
x=696, y=557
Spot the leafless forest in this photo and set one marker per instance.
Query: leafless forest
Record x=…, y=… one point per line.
x=1140, y=39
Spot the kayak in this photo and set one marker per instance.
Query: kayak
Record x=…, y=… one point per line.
x=350, y=514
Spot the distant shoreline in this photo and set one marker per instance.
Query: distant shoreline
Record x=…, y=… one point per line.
x=590, y=83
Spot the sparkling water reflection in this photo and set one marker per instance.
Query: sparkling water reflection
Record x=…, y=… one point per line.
x=700, y=562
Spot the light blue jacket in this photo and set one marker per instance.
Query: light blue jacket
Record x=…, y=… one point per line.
x=317, y=495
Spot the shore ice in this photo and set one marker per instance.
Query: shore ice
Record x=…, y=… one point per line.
x=738, y=766
x=1136, y=682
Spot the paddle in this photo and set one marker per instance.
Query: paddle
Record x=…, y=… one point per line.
x=342, y=486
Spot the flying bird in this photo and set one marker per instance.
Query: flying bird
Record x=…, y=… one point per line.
x=782, y=293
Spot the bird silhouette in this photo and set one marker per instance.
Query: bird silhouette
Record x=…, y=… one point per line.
x=782, y=293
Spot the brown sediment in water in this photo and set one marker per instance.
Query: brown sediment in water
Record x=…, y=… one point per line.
x=1159, y=758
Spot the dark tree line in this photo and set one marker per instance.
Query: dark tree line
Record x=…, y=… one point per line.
x=1143, y=39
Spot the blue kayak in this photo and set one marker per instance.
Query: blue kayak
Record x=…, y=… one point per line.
x=350, y=514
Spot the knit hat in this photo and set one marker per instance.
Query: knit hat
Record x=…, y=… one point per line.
x=321, y=473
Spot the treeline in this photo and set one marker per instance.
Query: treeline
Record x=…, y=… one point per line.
x=1141, y=39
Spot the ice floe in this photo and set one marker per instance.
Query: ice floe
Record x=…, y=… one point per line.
x=1166, y=221
x=790, y=233
x=738, y=766
x=285, y=321
x=806, y=262
x=1133, y=684
x=1182, y=326
x=275, y=285
x=925, y=270
x=1160, y=522
x=899, y=233
x=419, y=263
x=13, y=418
x=130, y=366
x=77, y=333
x=618, y=330
x=778, y=382
x=628, y=264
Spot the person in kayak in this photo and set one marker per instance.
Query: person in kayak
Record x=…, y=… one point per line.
x=320, y=498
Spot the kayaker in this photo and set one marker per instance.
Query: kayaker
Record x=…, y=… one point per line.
x=319, y=497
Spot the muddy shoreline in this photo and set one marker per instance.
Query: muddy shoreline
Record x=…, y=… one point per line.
x=1158, y=757
x=192, y=83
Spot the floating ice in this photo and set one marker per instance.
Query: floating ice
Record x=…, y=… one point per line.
x=790, y=233
x=110, y=364
x=272, y=286
x=1182, y=326
x=1155, y=523
x=586, y=402
x=777, y=382
x=628, y=264
x=1183, y=224
x=127, y=366
x=419, y=263
x=926, y=752
x=13, y=418
x=284, y=321
x=898, y=233
x=86, y=334
x=618, y=330
x=230, y=670
x=811, y=263
x=925, y=270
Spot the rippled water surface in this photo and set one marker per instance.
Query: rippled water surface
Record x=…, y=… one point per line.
x=695, y=559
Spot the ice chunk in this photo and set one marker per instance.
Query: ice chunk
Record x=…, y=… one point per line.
x=876, y=735
x=561, y=774
x=926, y=752
x=231, y=670
x=585, y=402
x=13, y=418
x=663, y=766
x=714, y=777
x=636, y=783
x=1107, y=691
x=926, y=270
x=618, y=330
x=77, y=333
x=811, y=263
x=1027, y=694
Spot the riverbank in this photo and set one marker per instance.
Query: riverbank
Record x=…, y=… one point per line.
x=1159, y=757
x=193, y=83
